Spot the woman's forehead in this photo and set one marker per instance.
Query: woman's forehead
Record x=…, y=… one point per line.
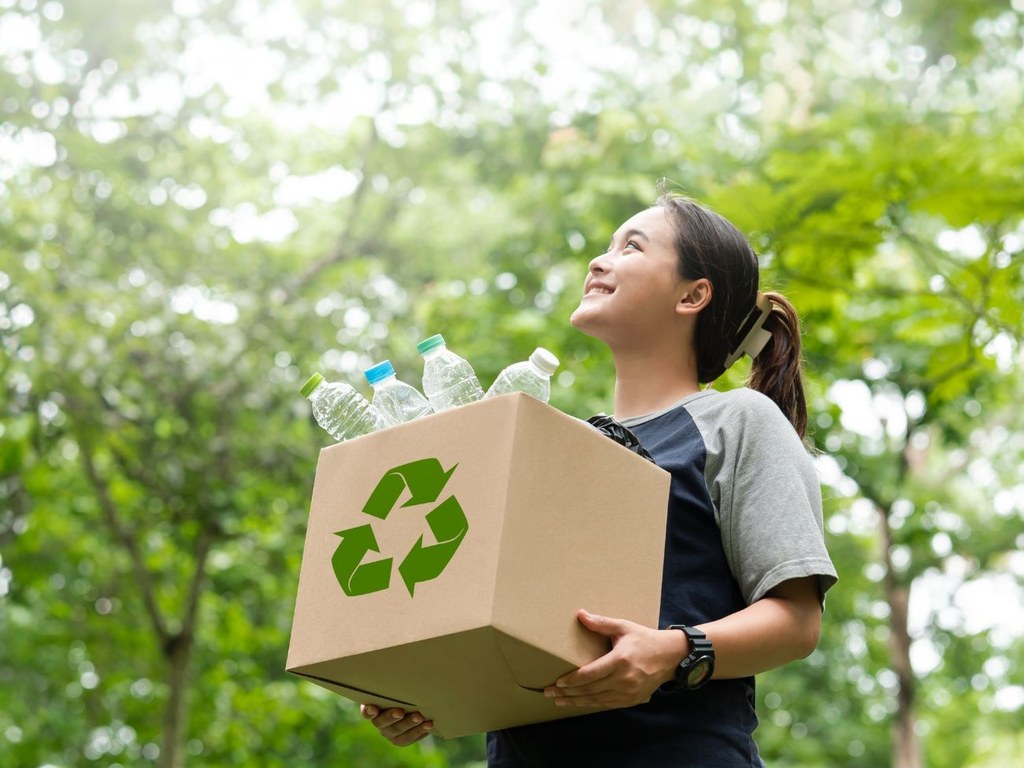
x=652, y=222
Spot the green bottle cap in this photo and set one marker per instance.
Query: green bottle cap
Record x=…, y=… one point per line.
x=311, y=384
x=428, y=344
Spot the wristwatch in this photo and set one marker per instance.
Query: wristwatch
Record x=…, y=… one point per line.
x=696, y=669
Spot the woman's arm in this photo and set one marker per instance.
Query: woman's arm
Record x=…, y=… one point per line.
x=779, y=628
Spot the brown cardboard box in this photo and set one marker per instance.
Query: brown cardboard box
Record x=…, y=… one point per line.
x=500, y=519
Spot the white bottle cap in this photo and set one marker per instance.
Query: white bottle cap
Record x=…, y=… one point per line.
x=544, y=360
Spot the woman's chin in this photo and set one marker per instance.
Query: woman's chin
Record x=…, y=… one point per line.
x=583, y=320
x=578, y=319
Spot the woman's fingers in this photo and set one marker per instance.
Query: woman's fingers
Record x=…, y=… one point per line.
x=407, y=730
x=397, y=726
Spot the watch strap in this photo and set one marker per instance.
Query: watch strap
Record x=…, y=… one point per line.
x=701, y=655
x=699, y=643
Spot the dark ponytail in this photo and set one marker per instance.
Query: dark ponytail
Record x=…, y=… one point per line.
x=776, y=371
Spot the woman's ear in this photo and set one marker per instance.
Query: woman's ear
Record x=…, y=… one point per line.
x=696, y=295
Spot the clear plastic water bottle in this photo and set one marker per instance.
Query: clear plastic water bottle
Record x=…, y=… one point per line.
x=448, y=380
x=340, y=409
x=396, y=400
x=531, y=376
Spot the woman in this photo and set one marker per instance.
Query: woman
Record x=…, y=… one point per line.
x=675, y=299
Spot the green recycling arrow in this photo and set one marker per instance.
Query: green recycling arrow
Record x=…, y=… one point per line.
x=356, y=579
x=425, y=480
x=448, y=523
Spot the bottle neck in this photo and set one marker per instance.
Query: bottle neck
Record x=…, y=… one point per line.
x=538, y=370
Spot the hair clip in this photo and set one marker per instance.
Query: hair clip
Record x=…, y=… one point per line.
x=754, y=334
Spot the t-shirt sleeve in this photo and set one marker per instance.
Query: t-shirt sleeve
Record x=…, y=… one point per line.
x=768, y=498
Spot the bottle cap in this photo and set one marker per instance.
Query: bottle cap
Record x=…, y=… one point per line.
x=379, y=372
x=544, y=360
x=428, y=344
x=311, y=384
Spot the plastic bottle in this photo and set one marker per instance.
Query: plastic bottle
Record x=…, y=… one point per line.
x=448, y=380
x=340, y=409
x=396, y=400
x=531, y=376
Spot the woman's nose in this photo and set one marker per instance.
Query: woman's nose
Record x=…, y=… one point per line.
x=599, y=264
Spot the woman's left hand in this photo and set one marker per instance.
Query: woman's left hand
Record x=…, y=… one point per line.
x=641, y=659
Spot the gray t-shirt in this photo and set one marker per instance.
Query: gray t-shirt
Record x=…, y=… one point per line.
x=762, y=482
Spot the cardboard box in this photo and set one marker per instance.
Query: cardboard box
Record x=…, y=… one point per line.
x=445, y=560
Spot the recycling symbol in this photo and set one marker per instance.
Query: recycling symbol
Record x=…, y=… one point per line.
x=425, y=479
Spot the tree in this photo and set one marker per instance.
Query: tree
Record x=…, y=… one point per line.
x=183, y=246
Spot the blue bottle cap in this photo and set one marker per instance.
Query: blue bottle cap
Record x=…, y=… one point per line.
x=379, y=372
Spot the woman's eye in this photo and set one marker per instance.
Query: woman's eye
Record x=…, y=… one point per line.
x=632, y=244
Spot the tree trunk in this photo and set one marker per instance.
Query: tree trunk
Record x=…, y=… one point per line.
x=906, y=751
x=178, y=651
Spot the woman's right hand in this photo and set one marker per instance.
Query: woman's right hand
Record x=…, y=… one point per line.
x=397, y=726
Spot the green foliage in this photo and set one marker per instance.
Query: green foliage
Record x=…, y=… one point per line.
x=203, y=202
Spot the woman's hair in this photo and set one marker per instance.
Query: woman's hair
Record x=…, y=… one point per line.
x=710, y=247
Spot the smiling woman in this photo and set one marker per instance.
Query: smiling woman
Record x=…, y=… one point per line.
x=675, y=299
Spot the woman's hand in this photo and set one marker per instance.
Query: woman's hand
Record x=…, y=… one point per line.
x=779, y=628
x=641, y=659
x=397, y=726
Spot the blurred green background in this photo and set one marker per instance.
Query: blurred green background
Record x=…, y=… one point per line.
x=203, y=201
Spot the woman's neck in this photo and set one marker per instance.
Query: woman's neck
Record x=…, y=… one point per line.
x=651, y=379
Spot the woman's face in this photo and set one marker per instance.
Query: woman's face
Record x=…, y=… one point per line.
x=633, y=290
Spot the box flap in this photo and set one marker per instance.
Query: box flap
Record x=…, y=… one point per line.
x=363, y=697
x=463, y=683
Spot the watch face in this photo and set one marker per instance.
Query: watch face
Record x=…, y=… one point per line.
x=698, y=673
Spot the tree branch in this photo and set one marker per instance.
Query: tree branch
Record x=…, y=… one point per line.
x=340, y=252
x=204, y=543
x=135, y=473
x=127, y=539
